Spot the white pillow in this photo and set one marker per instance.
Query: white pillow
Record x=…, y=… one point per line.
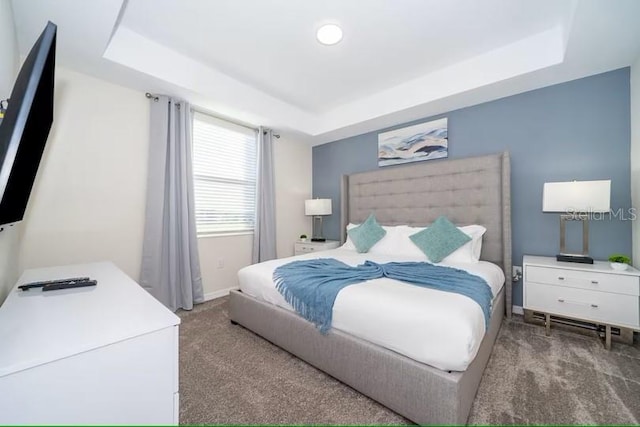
x=348, y=244
x=467, y=253
x=470, y=251
x=397, y=243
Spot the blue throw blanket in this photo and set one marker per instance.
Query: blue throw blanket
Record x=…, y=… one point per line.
x=311, y=286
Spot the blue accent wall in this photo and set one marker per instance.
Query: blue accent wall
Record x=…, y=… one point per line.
x=576, y=130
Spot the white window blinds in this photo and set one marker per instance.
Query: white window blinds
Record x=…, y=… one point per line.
x=224, y=173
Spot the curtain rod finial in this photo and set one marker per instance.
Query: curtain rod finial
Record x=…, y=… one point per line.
x=275, y=135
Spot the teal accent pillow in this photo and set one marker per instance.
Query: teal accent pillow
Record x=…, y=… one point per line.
x=440, y=239
x=366, y=234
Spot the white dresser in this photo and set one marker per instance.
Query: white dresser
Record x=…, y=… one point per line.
x=589, y=292
x=301, y=248
x=97, y=355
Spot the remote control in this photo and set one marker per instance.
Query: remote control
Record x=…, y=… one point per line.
x=28, y=286
x=69, y=285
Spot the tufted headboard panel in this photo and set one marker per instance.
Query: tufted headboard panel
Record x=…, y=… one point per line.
x=474, y=190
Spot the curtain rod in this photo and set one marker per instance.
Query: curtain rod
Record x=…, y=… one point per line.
x=208, y=113
x=156, y=98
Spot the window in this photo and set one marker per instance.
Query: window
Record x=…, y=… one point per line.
x=224, y=174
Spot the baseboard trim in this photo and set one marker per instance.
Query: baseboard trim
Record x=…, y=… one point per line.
x=517, y=309
x=219, y=294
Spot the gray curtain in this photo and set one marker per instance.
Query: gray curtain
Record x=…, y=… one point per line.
x=170, y=263
x=264, y=235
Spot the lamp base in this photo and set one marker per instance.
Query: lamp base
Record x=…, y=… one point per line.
x=582, y=259
x=318, y=239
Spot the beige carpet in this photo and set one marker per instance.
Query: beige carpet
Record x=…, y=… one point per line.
x=228, y=375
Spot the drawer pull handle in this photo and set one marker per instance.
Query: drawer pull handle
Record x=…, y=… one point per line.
x=560, y=278
x=595, y=282
x=577, y=302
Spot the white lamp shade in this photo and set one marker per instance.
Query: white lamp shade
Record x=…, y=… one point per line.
x=317, y=207
x=577, y=196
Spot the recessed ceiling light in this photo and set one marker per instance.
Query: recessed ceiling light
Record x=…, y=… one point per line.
x=329, y=34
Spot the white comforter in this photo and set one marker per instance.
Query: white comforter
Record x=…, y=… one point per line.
x=441, y=329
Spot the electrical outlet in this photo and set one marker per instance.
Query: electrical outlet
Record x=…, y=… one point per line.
x=220, y=262
x=517, y=273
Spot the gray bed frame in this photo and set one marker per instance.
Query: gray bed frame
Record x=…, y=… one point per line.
x=468, y=191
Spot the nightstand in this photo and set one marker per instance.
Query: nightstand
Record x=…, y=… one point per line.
x=592, y=296
x=301, y=248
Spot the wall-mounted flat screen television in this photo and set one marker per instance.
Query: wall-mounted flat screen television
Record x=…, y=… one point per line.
x=25, y=127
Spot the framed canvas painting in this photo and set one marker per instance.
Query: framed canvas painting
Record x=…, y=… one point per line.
x=424, y=141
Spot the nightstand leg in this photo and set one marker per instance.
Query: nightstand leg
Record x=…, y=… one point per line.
x=607, y=337
x=547, y=324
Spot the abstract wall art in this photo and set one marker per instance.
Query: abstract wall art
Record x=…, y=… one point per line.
x=424, y=141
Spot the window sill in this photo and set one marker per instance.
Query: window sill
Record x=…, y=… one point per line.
x=230, y=234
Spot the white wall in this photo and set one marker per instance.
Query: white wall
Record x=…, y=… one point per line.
x=293, y=186
x=635, y=157
x=88, y=200
x=9, y=59
x=222, y=257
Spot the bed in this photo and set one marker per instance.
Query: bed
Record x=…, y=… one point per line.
x=468, y=191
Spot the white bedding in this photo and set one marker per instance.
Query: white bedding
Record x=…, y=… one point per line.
x=441, y=329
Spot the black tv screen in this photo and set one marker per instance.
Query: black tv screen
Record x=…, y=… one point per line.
x=26, y=125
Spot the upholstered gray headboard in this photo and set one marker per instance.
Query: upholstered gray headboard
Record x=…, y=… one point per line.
x=474, y=190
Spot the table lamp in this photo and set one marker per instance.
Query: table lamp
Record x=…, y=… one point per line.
x=317, y=208
x=576, y=200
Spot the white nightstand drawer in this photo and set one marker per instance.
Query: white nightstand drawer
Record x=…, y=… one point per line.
x=616, y=283
x=584, y=304
x=301, y=248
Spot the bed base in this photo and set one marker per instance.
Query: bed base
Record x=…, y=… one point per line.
x=419, y=392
